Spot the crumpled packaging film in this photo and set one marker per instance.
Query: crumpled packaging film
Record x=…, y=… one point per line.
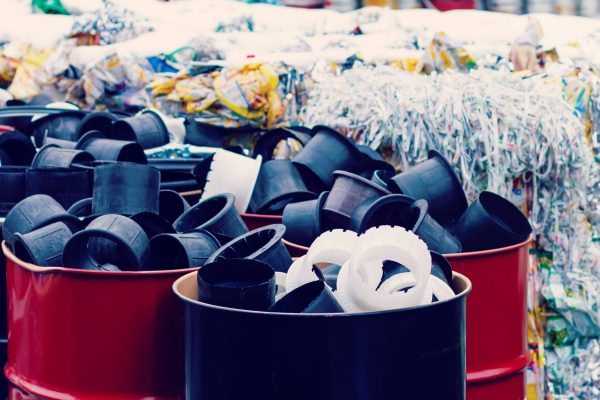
x=113, y=82
x=444, y=54
x=25, y=83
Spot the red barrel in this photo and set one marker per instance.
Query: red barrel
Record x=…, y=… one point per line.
x=255, y=221
x=93, y=335
x=497, y=352
x=447, y=5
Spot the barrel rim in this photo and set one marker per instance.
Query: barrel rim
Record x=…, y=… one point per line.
x=457, y=279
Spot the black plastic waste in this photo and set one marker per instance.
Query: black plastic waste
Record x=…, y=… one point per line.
x=51, y=155
x=279, y=183
x=146, y=128
x=103, y=149
x=263, y=244
x=35, y=212
x=367, y=152
x=82, y=208
x=43, y=246
x=12, y=182
x=433, y=180
x=129, y=238
x=268, y=141
x=217, y=215
x=153, y=224
x=367, y=167
x=202, y=134
x=65, y=144
x=396, y=354
x=181, y=250
x=18, y=147
x=491, y=222
x=377, y=211
x=96, y=121
x=326, y=152
x=417, y=219
x=348, y=192
x=60, y=126
x=125, y=188
x=440, y=267
x=330, y=275
x=237, y=283
x=303, y=220
x=310, y=298
x=381, y=177
x=171, y=204
x=65, y=185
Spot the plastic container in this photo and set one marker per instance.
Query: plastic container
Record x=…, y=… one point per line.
x=381, y=177
x=65, y=185
x=153, y=224
x=217, y=215
x=52, y=155
x=303, y=221
x=279, y=183
x=43, y=246
x=146, y=128
x=116, y=335
x=491, y=222
x=17, y=147
x=380, y=355
x=433, y=180
x=96, y=121
x=326, y=152
x=263, y=244
x=417, y=219
x=268, y=141
x=311, y=298
x=181, y=250
x=171, y=205
x=125, y=188
x=377, y=211
x=348, y=192
x=497, y=352
x=111, y=150
x=13, y=178
x=61, y=125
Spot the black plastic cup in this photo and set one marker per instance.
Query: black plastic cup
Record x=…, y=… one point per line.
x=171, y=205
x=146, y=128
x=268, y=141
x=43, y=246
x=82, y=208
x=326, y=152
x=367, y=152
x=111, y=150
x=217, y=215
x=12, y=182
x=367, y=167
x=348, y=192
x=18, y=147
x=491, y=222
x=279, y=183
x=153, y=224
x=433, y=180
x=65, y=144
x=303, y=221
x=263, y=244
x=65, y=185
x=181, y=250
x=417, y=219
x=330, y=275
x=237, y=283
x=381, y=177
x=51, y=155
x=395, y=354
x=126, y=189
x=130, y=240
x=96, y=121
x=61, y=125
x=34, y=212
x=377, y=211
x=440, y=267
x=310, y=298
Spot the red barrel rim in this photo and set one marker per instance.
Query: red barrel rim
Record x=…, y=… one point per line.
x=122, y=274
x=450, y=255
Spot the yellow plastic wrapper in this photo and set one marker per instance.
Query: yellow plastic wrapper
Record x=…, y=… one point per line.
x=26, y=80
x=251, y=92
